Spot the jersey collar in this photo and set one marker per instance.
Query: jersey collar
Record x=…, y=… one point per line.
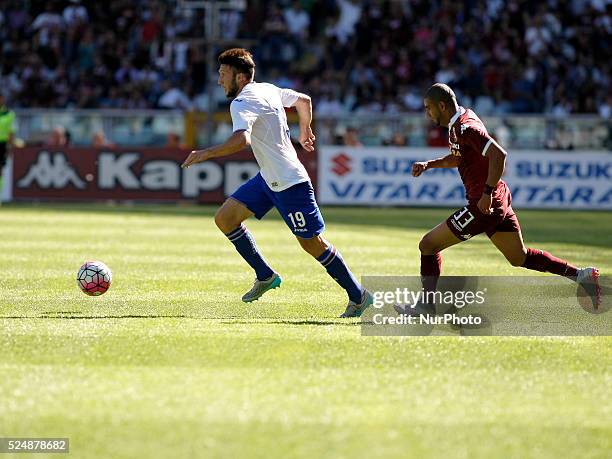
x=237, y=95
x=455, y=117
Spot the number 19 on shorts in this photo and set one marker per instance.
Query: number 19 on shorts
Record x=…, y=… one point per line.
x=297, y=219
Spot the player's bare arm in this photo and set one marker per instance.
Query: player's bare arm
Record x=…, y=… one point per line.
x=237, y=142
x=304, y=109
x=421, y=166
x=497, y=164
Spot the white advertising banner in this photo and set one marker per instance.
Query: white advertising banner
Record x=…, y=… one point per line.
x=381, y=176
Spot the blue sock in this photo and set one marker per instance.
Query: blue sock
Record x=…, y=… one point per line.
x=245, y=245
x=336, y=268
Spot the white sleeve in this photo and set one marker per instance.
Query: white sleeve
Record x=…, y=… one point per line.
x=288, y=96
x=243, y=116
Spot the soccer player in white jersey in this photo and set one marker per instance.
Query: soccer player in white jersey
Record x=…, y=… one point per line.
x=259, y=120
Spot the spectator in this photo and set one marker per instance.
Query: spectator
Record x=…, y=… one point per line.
x=75, y=14
x=350, y=12
x=297, y=20
x=329, y=106
x=152, y=26
x=605, y=108
x=173, y=98
x=275, y=50
x=230, y=23
x=173, y=141
x=7, y=133
x=57, y=138
x=48, y=20
x=99, y=140
x=351, y=138
x=397, y=140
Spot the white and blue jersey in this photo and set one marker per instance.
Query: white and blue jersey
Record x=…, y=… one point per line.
x=282, y=181
x=260, y=110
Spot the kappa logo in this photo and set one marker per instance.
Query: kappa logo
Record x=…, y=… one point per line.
x=51, y=171
x=463, y=128
x=341, y=164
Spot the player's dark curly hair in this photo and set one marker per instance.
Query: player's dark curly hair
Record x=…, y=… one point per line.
x=239, y=59
x=441, y=92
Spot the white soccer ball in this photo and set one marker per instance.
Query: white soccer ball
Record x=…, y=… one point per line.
x=94, y=278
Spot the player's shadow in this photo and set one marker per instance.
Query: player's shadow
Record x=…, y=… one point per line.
x=225, y=321
x=290, y=322
x=89, y=317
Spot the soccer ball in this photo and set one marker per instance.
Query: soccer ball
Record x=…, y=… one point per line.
x=94, y=278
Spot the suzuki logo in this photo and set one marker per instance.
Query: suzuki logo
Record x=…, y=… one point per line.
x=342, y=164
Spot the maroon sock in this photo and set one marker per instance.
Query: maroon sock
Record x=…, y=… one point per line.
x=539, y=260
x=430, y=271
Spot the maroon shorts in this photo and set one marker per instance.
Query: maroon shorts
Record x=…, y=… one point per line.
x=470, y=221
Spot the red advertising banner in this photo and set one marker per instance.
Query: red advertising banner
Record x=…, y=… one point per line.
x=139, y=174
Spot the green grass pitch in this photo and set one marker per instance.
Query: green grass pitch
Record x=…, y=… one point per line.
x=170, y=363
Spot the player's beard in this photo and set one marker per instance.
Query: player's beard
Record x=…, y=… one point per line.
x=232, y=91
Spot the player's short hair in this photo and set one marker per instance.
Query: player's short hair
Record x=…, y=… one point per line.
x=239, y=59
x=441, y=92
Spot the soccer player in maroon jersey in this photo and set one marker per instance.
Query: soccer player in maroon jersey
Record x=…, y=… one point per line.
x=481, y=161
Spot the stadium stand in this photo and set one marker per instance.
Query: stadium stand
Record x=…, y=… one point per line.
x=503, y=57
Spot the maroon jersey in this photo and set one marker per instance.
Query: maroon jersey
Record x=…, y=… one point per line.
x=469, y=140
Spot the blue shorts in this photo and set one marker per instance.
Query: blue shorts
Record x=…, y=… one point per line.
x=297, y=205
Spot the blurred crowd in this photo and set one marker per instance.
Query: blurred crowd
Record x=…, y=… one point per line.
x=88, y=54
x=501, y=56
